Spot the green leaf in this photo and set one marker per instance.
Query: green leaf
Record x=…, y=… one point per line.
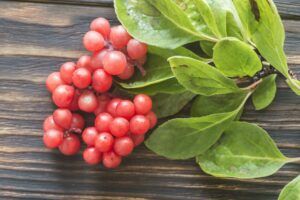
x=207, y=105
x=244, y=151
x=165, y=105
x=235, y=58
x=291, y=191
x=201, y=78
x=265, y=93
x=294, y=85
x=145, y=23
x=207, y=47
x=188, y=137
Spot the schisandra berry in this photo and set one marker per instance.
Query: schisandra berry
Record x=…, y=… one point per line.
x=77, y=122
x=152, y=118
x=93, y=41
x=137, y=139
x=103, y=101
x=82, y=78
x=119, y=37
x=85, y=62
x=63, y=95
x=123, y=146
x=102, y=122
x=111, y=160
x=104, y=142
x=101, y=25
x=142, y=103
x=70, y=145
x=92, y=156
x=114, y=62
x=136, y=49
x=53, y=138
x=89, y=136
x=87, y=101
x=66, y=71
x=119, y=127
x=102, y=81
x=53, y=81
x=50, y=124
x=139, y=125
x=125, y=109
x=127, y=73
x=74, y=104
x=112, y=106
x=97, y=59
x=62, y=117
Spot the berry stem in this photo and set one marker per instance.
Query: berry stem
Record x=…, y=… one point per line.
x=253, y=85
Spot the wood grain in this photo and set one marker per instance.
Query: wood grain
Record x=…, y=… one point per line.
x=35, y=38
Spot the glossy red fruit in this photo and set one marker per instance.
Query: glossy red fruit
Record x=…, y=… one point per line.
x=103, y=101
x=114, y=62
x=139, y=125
x=111, y=160
x=142, y=103
x=82, y=78
x=77, y=122
x=93, y=41
x=123, y=146
x=63, y=95
x=125, y=109
x=119, y=127
x=62, y=117
x=127, y=73
x=137, y=139
x=53, y=81
x=50, y=124
x=119, y=37
x=87, y=101
x=92, y=156
x=74, y=104
x=66, y=72
x=103, y=121
x=85, y=62
x=152, y=118
x=53, y=138
x=89, y=136
x=104, y=142
x=101, y=25
x=70, y=145
x=136, y=49
x=102, y=81
x=97, y=59
x=112, y=106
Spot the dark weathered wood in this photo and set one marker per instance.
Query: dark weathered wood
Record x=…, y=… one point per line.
x=35, y=38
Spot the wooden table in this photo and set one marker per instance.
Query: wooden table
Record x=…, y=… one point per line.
x=35, y=38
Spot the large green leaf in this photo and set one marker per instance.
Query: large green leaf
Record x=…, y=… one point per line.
x=201, y=78
x=145, y=23
x=244, y=151
x=294, y=85
x=265, y=93
x=235, y=58
x=291, y=191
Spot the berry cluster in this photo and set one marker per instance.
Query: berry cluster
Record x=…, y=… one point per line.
x=120, y=124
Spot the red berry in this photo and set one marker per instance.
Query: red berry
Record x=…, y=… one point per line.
x=102, y=122
x=102, y=81
x=50, y=124
x=119, y=127
x=53, y=81
x=82, y=78
x=85, y=62
x=66, y=72
x=70, y=145
x=123, y=146
x=97, y=59
x=89, y=136
x=74, y=104
x=119, y=37
x=63, y=95
x=53, y=138
x=103, y=101
x=92, y=156
x=125, y=109
x=63, y=117
x=152, y=118
x=104, y=142
x=93, y=41
x=142, y=103
x=137, y=139
x=114, y=62
x=87, y=101
x=136, y=49
x=77, y=122
x=101, y=25
x=111, y=160
x=139, y=125
x=127, y=73
x=112, y=106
